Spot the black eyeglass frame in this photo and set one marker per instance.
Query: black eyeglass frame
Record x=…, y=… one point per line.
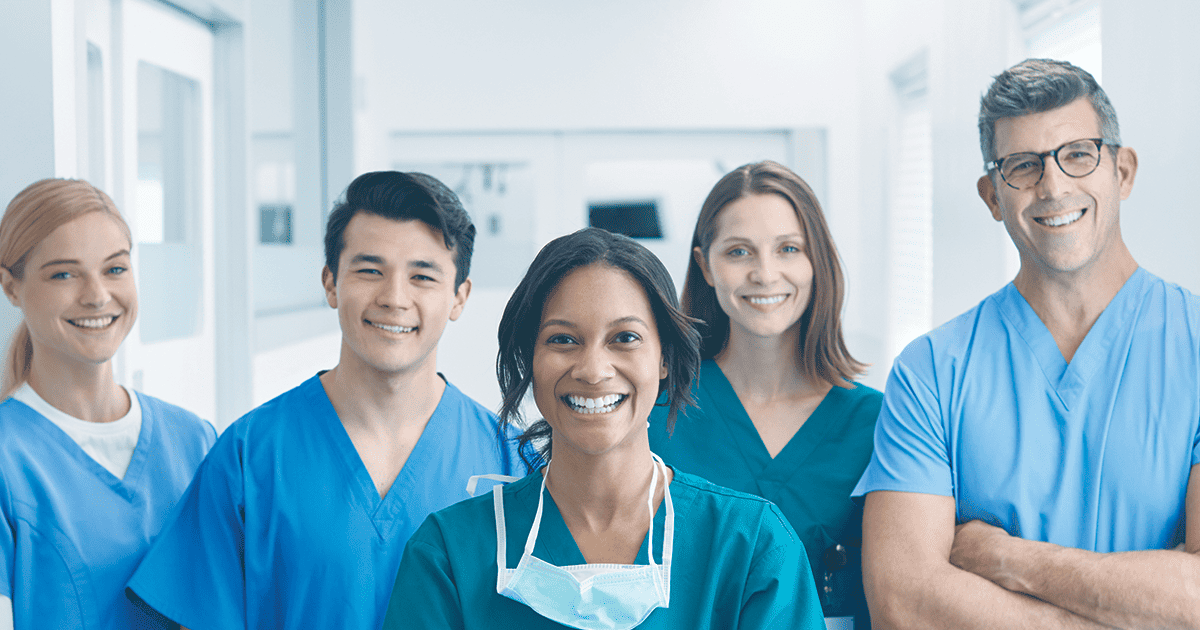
x=1100, y=144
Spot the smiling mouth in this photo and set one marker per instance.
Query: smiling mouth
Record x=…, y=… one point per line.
x=603, y=404
x=1060, y=220
x=94, y=323
x=765, y=300
x=391, y=329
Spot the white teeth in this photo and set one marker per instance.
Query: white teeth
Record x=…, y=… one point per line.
x=395, y=329
x=604, y=404
x=93, y=322
x=774, y=299
x=1060, y=220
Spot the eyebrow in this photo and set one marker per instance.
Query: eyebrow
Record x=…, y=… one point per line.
x=425, y=264
x=782, y=237
x=71, y=261
x=379, y=260
x=628, y=319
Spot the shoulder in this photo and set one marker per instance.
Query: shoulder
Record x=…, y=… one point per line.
x=180, y=420
x=276, y=415
x=458, y=403
x=861, y=400
x=953, y=342
x=729, y=509
x=1170, y=297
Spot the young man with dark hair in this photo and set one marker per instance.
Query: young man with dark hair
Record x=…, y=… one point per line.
x=1037, y=459
x=299, y=515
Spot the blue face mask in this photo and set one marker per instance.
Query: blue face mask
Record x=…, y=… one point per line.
x=589, y=596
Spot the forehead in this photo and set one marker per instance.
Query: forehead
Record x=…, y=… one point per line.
x=95, y=234
x=1045, y=131
x=759, y=215
x=394, y=241
x=596, y=295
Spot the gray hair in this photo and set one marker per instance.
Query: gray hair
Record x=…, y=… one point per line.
x=1040, y=85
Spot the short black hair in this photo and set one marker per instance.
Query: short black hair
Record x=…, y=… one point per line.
x=523, y=317
x=403, y=197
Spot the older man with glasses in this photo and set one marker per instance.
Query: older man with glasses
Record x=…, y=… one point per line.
x=1036, y=458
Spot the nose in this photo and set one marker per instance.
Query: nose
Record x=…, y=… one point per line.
x=1055, y=182
x=764, y=271
x=394, y=293
x=95, y=293
x=594, y=366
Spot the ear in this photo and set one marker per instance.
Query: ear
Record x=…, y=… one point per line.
x=328, y=280
x=702, y=263
x=460, y=299
x=1127, y=163
x=662, y=369
x=987, y=192
x=11, y=285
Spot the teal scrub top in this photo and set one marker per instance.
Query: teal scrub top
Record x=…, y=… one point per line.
x=1093, y=454
x=283, y=526
x=737, y=564
x=810, y=479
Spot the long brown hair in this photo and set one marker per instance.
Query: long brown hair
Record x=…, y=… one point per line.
x=823, y=353
x=31, y=216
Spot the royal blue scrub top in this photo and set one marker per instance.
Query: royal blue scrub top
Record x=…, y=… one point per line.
x=810, y=479
x=283, y=526
x=737, y=564
x=74, y=533
x=1093, y=454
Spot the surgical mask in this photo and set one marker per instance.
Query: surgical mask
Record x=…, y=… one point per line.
x=589, y=596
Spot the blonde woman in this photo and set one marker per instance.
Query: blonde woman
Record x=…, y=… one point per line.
x=88, y=469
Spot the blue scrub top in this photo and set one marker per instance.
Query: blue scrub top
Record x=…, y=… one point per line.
x=810, y=479
x=1093, y=454
x=737, y=564
x=74, y=533
x=283, y=526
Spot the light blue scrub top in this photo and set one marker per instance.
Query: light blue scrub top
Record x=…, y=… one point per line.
x=73, y=533
x=737, y=564
x=283, y=527
x=1094, y=454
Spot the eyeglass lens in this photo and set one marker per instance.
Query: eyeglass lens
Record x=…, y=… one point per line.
x=1076, y=159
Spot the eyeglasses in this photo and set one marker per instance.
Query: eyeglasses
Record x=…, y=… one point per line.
x=1077, y=158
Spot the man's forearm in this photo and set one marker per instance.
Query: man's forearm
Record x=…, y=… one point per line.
x=1135, y=589
x=950, y=598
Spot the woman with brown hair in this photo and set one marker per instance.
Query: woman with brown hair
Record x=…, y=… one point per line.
x=778, y=413
x=88, y=469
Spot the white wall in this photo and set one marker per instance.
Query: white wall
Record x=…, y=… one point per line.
x=538, y=65
x=1152, y=76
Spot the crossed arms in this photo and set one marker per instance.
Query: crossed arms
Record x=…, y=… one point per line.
x=921, y=571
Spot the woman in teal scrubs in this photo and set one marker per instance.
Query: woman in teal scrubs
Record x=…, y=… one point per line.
x=778, y=413
x=603, y=535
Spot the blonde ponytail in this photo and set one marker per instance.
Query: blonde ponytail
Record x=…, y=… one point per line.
x=18, y=360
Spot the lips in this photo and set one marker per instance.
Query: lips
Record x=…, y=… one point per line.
x=1060, y=220
x=391, y=328
x=765, y=300
x=93, y=323
x=601, y=404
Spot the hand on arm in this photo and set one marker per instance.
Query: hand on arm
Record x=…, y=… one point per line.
x=1136, y=589
x=910, y=582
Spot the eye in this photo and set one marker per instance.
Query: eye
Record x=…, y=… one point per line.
x=560, y=339
x=117, y=270
x=424, y=278
x=790, y=249
x=1021, y=164
x=369, y=271
x=737, y=252
x=627, y=337
x=62, y=275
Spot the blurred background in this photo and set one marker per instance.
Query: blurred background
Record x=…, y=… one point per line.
x=226, y=129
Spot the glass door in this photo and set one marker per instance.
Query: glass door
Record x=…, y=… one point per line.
x=168, y=175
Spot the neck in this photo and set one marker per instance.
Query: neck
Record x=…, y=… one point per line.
x=764, y=368
x=383, y=402
x=598, y=490
x=1068, y=303
x=81, y=390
